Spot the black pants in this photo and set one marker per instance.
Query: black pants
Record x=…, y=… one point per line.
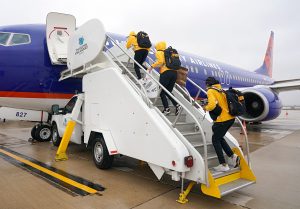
x=219, y=130
x=167, y=79
x=140, y=56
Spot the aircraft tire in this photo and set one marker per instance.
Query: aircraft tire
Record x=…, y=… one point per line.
x=33, y=132
x=43, y=132
x=56, y=139
x=101, y=157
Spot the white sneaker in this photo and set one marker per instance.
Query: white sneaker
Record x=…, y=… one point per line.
x=166, y=111
x=234, y=160
x=221, y=168
x=177, y=110
x=142, y=81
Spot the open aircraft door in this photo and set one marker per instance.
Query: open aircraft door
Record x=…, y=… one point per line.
x=59, y=29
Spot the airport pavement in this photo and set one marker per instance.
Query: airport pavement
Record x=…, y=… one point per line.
x=278, y=175
x=275, y=150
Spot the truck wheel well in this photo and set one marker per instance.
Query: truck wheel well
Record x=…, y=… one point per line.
x=53, y=123
x=93, y=136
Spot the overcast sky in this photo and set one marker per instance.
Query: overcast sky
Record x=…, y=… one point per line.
x=235, y=32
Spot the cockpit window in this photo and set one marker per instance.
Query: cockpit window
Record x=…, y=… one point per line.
x=18, y=39
x=3, y=38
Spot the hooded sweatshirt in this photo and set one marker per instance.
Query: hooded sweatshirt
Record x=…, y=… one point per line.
x=160, y=57
x=132, y=41
x=216, y=97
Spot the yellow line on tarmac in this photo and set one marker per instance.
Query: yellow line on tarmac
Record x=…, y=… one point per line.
x=51, y=173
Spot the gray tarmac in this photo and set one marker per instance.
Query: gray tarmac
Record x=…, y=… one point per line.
x=275, y=156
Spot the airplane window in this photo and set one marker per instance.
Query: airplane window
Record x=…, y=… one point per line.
x=192, y=69
x=20, y=39
x=3, y=38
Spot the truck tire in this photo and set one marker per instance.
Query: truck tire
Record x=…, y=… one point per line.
x=43, y=133
x=101, y=157
x=56, y=139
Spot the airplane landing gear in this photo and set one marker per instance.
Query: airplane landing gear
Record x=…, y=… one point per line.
x=41, y=132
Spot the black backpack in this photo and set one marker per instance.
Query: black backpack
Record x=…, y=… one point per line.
x=235, y=101
x=143, y=40
x=172, y=58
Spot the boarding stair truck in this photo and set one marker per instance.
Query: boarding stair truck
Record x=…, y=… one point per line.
x=114, y=115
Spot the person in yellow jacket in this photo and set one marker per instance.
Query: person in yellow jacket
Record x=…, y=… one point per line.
x=216, y=97
x=140, y=54
x=167, y=78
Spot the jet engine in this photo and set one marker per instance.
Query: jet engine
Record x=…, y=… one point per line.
x=262, y=104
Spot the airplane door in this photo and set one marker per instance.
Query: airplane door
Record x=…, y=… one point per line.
x=59, y=29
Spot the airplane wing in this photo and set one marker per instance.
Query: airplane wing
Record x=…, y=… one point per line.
x=285, y=85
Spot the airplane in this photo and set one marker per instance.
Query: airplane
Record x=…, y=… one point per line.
x=30, y=80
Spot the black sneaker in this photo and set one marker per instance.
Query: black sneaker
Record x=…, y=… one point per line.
x=235, y=160
x=178, y=108
x=166, y=111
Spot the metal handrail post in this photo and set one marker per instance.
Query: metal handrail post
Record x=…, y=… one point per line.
x=246, y=140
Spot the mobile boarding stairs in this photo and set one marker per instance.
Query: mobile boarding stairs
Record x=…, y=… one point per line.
x=117, y=106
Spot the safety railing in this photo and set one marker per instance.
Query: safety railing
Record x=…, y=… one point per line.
x=239, y=121
x=193, y=101
x=173, y=97
x=144, y=92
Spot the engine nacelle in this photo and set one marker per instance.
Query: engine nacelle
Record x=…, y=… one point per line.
x=262, y=104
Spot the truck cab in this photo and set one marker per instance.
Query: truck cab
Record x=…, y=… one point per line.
x=60, y=119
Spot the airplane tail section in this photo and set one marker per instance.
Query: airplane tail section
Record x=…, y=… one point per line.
x=267, y=67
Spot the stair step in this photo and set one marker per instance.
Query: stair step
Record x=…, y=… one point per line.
x=185, y=126
x=172, y=116
x=218, y=174
x=200, y=148
x=234, y=185
x=211, y=156
x=191, y=133
x=193, y=137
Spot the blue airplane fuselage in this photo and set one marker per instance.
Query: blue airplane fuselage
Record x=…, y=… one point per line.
x=26, y=71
